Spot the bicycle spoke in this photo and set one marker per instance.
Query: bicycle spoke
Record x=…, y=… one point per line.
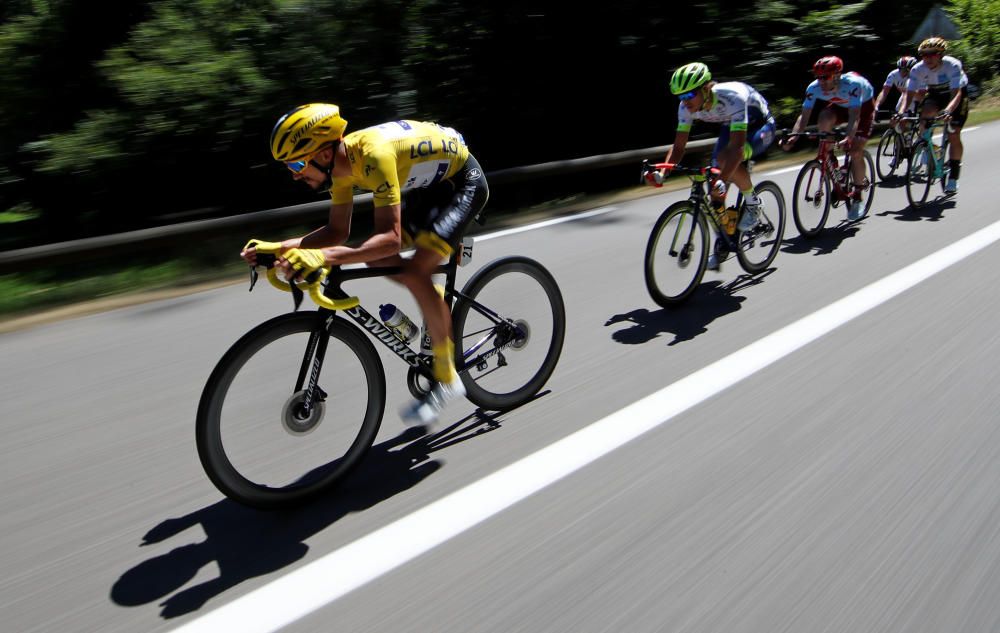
x=676, y=254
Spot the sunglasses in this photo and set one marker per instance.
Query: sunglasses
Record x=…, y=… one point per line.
x=930, y=54
x=687, y=96
x=297, y=166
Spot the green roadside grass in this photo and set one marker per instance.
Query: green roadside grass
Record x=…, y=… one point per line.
x=31, y=297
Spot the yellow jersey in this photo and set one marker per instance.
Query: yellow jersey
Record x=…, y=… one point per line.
x=393, y=157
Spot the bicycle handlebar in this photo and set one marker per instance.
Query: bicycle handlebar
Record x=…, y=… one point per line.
x=812, y=134
x=314, y=284
x=699, y=173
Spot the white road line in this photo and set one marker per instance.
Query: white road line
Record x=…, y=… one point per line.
x=781, y=171
x=334, y=575
x=540, y=225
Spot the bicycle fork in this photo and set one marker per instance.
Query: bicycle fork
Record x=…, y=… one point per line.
x=312, y=363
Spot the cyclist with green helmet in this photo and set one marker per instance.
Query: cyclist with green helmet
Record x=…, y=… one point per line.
x=747, y=131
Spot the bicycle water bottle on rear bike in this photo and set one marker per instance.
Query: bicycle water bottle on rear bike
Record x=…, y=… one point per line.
x=678, y=248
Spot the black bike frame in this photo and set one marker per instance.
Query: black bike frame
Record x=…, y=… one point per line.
x=701, y=207
x=422, y=363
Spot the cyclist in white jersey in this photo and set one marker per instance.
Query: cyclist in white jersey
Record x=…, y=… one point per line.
x=849, y=99
x=940, y=77
x=747, y=131
x=898, y=79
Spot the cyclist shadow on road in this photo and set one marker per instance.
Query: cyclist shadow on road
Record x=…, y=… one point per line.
x=828, y=240
x=932, y=211
x=891, y=182
x=246, y=543
x=711, y=300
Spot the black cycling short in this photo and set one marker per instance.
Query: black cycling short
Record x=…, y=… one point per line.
x=436, y=217
x=942, y=98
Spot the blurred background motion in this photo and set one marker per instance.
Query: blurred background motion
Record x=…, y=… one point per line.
x=128, y=114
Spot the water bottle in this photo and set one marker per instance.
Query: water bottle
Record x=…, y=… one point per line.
x=399, y=323
x=731, y=218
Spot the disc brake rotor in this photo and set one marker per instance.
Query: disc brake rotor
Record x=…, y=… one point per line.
x=294, y=418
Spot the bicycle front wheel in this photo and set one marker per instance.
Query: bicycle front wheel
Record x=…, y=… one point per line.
x=811, y=200
x=759, y=246
x=509, y=324
x=889, y=155
x=676, y=254
x=919, y=174
x=262, y=440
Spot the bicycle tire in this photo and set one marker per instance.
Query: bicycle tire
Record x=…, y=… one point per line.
x=869, y=189
x=232, y=480
x=771, y=228
x=919, y=174
x=945, y=164
x=890, y=148
x=819, y=201
x=694, y=251
x=484, y=389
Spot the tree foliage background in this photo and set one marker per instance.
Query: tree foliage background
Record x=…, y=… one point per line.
x=116, y=115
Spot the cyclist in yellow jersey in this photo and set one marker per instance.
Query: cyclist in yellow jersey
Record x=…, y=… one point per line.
x=427, y=188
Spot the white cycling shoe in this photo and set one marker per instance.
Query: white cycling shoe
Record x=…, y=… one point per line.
x=427, y=409
x=751, y=215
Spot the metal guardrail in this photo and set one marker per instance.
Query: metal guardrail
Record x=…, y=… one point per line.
x=245, y=224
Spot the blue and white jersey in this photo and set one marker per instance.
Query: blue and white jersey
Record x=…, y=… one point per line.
x=851, y=91
x=733, y=102
x=945, y=78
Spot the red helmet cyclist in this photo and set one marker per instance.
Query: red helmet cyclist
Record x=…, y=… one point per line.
x=828, y=66
x=906, y=62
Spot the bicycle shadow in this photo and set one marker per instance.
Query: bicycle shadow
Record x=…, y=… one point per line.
x=245, y=543
x=828, y=240
x=932, y=211
x=710, y=301
x=891, y=182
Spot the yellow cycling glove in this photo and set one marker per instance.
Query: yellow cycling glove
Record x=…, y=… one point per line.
x=267, y=248
x=305, y=261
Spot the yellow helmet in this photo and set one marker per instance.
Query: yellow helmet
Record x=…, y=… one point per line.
x=933, y=45
x=301, y=132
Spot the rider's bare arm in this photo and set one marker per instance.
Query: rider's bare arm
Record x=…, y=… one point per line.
x=676, y=152
x=385, y=240
x=881, y=97
x=336, y=231
x=956, y=98
x=800, y=124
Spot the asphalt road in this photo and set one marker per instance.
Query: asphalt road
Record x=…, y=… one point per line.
x=851, y=485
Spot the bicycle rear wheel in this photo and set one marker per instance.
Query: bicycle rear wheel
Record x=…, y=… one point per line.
x=759, y=246
x=944, y=162
x=867, y=184
x=509, y=324
x=889, y=155
x=919, y=174
x=256, y=439
x=676, y=254
x=811, y=200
